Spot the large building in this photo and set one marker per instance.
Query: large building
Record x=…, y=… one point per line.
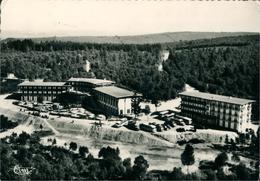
x=9, y=83
x=87, y=84
x=216, y=110
x=115, y=100
x=46, y=91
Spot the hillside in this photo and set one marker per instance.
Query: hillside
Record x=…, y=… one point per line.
x=226, y=66
x=145, y=39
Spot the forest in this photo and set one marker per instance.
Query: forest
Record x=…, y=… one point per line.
x=74, y=162
x=227, y=65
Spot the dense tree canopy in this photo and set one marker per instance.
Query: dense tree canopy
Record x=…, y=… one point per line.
x=57, y=163
x=228, y=66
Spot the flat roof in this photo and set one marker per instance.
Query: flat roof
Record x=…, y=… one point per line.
x=116, y=92
x=91, y=81
x=37, y=83
x=216, y=97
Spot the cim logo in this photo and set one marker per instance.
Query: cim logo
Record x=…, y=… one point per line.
x=22, y=171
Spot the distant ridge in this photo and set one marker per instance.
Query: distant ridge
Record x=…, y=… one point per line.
x=144, y=39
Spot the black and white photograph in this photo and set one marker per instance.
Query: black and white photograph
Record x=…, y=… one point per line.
x=129, y=90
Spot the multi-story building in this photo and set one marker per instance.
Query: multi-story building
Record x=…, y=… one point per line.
x=46, y=91
x=87, y=84
x=216, y=110
x=115, y=100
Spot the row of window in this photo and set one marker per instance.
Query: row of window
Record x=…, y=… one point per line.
x=35, y=98
x=43, y=87
x=212, y=103
x=107, y=99
x=41, y=92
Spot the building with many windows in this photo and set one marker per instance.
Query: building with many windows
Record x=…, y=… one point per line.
x=38, y=90
x=87, y=84
x=216, y=110
x=115, y=100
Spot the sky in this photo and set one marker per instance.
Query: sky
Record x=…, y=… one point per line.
x=39, y=18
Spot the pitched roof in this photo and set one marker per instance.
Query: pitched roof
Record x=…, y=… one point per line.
x=215, y=97
x=91, y=81
x=27, y=83
x=116, y=92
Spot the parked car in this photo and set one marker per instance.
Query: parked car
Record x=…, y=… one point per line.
x=154, y=123
x=75, y=116
x=170, y=123
x=116, y=125
x=187, y=120
x=101, y=117
x=192, y=129
x=148, y=128
x=132, y=127
x=180, y=130
x=164, y=127
x=45, y=116
x=167, y=125
x=91, y=116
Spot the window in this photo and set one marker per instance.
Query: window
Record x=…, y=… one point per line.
x=121, y=111
x=128, y=111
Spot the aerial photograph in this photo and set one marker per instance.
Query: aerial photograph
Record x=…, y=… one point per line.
x=129, y=90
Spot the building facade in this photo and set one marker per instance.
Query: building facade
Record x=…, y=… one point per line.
x=44, y=91
x=115, y=100
x=87, y=84
x=214, y=110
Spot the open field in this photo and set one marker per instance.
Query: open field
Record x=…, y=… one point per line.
x=159, y=157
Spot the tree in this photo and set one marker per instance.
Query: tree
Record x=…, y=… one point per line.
x=177, y=174
x=23, y=137
x=155, y=102
x=235, y=157
x=187, y=157
x=54, y=142
x=242, y=172
x=109, y=153
x=73, y=146
x=83, y=150
x=220, y=160
x=210, y=174
x=127, y=163
x=128, y=168
x=140, y=167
